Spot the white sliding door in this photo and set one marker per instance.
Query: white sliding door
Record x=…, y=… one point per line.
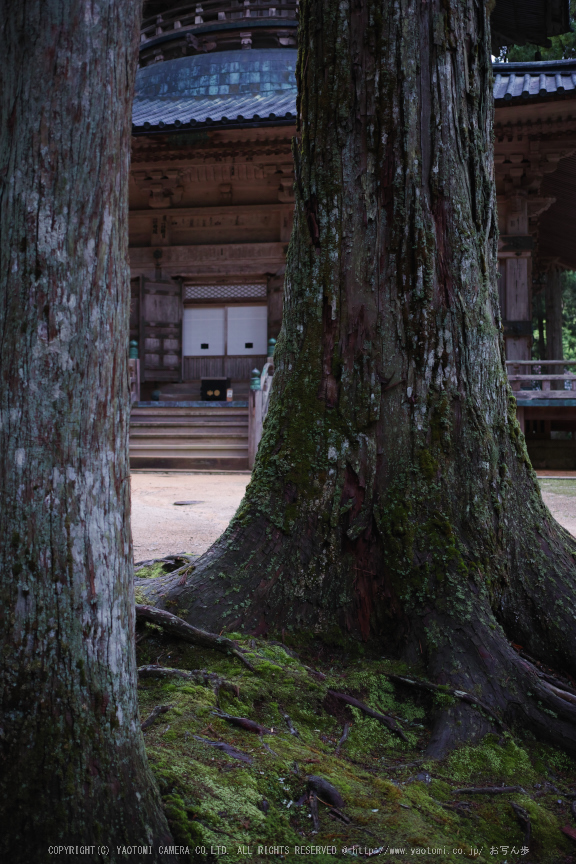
x=203, y=331
x=247, y=330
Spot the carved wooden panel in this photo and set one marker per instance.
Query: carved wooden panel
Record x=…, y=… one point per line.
x=160, y=330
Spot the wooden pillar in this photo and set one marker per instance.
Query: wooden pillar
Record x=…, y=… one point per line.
x=554, y=348
x=517, y=311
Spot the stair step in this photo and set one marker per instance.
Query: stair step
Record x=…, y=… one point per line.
x=190, y=463
x=190, y=422
x=207, y=441
x=205, y=452
x=189, y=411
x=177, y=435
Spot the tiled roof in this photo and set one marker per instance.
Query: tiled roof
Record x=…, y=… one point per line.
x=259, y=86
x=231, y=87
x=536, y=80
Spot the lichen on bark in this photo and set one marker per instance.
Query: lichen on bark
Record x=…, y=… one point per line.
x=74, y=770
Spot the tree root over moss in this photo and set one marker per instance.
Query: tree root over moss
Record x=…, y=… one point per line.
x=199, y=676
x=178, y=627
x=153, y=716
x=389, y=722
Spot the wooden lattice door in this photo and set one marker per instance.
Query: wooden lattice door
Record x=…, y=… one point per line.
x=160, y=330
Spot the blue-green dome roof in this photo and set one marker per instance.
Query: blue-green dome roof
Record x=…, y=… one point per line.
x=228, y=86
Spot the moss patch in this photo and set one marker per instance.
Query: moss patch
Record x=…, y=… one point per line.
x=393, y=799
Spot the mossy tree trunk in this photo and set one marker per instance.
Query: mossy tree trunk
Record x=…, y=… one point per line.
x=73, y=767
x=392, y=494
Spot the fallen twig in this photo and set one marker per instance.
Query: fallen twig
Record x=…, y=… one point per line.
x=315, y=672
x=269, y=749
x=383, y=718
x=489, y=790
x=291, y=727
x=244, y=723
x=448, y=691
x=199, y=676
x=180, y=628
x=226, y=748
x=344, y=738
x=524, y=822
x=156, y=712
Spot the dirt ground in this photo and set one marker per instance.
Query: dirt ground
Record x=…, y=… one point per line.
x=161, y=527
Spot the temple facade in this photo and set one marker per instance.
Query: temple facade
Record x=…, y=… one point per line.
x=211, y=203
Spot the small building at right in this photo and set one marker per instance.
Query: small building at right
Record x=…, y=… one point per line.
x=535, y=165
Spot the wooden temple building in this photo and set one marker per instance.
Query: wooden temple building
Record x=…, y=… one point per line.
x=211, y=201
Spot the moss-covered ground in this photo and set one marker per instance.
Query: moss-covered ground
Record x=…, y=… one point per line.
x=406, y=808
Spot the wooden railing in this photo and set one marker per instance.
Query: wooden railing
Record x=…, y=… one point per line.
x=258, y=409
x=522, y=372
x=214, y=11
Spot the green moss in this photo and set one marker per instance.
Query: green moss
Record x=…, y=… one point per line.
x=507, y=761
x=213, y=799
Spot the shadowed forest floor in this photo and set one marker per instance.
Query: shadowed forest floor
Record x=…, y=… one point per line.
x=248, y=792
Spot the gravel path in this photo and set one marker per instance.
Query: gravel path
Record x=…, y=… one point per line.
x=160, y=527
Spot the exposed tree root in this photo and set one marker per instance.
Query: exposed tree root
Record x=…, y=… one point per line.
x=383, y=718
x=178, y=627
x=337, y=814
x=524, y=822
x=244, y=723
x=343, y=739
x=461, y=809
x=199, y=676
x=447, y=691
x=269, y=749
x=314, y=811
x=226, y=748
x=476, y=658
x=489, y=790
x=291, y=728
x=326, y=792
x=169, y=559
x=156, y=712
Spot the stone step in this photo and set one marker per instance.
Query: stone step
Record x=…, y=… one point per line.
x=171, y=435
x=185, y=423
x=204, y=436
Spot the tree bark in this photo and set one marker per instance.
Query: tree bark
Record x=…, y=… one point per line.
x=392, y=494
x=73, y=766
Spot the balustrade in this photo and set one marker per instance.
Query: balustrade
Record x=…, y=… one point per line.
x=521, y=372
x=214, y=11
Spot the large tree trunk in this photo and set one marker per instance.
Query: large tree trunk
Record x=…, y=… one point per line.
x=73, y=767
x=392, y=493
